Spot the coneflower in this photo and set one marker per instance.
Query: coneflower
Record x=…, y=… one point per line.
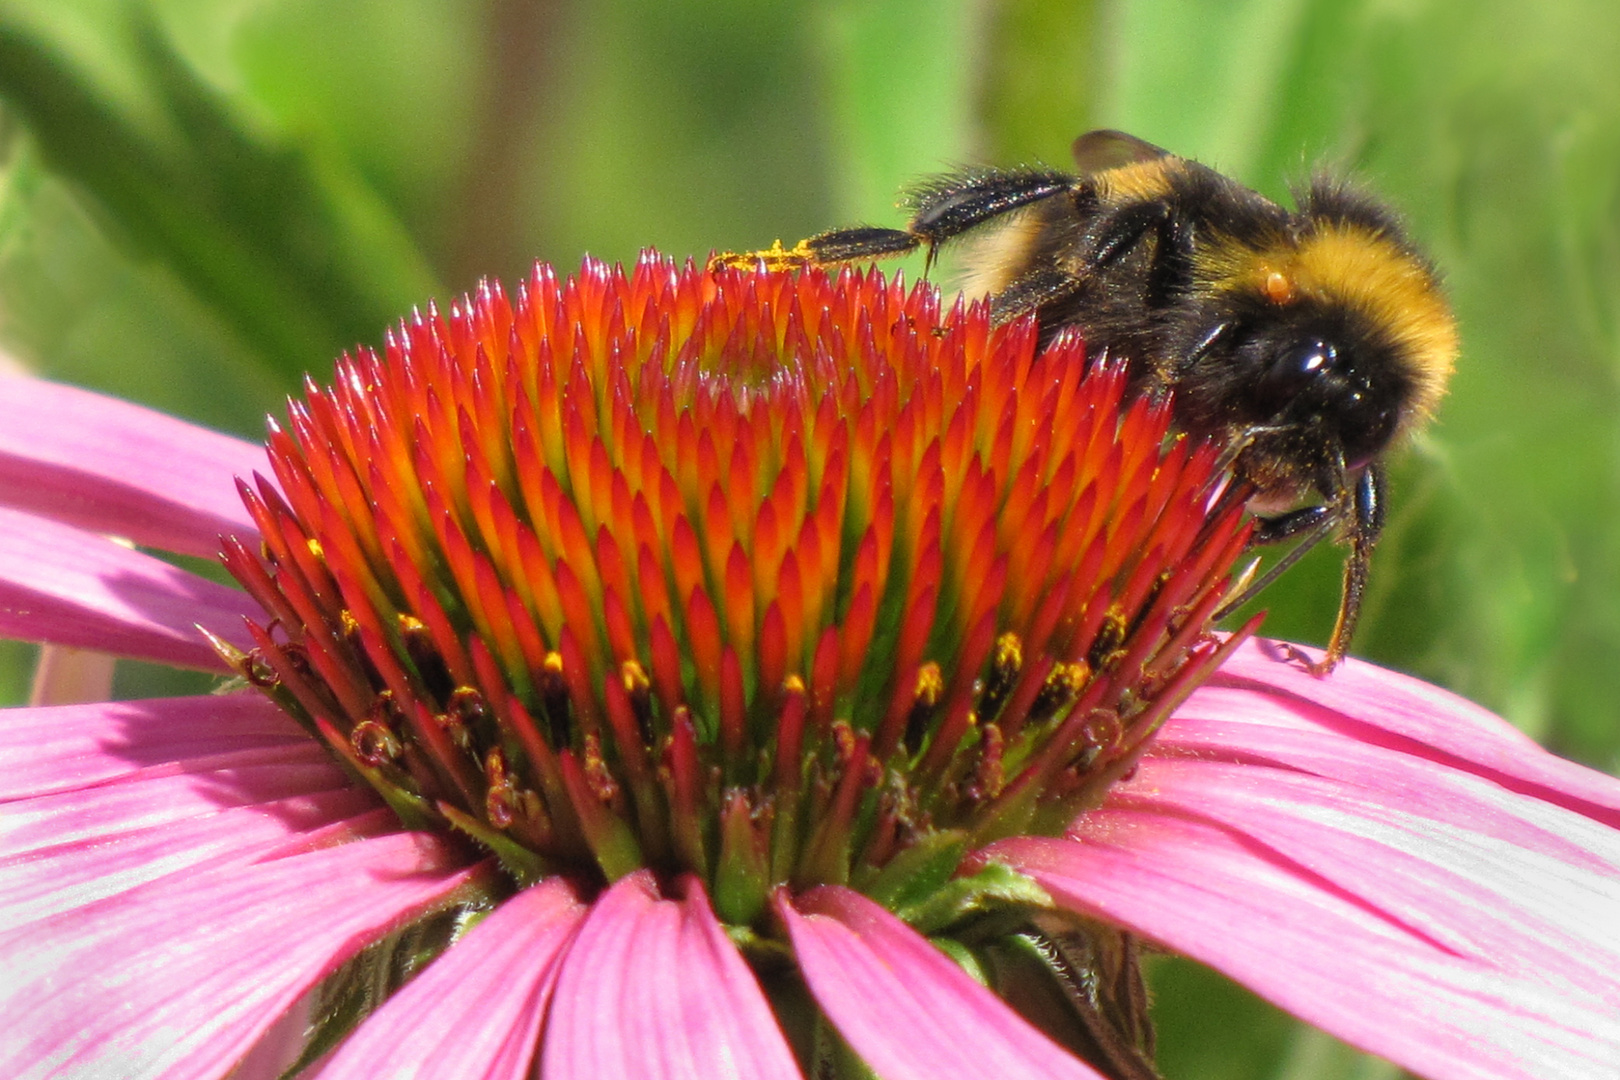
x=689, y=674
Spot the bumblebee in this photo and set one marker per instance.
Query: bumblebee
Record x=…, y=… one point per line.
x=1307, y=341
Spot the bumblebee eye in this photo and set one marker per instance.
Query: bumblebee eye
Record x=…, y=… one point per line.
x=1296, y=368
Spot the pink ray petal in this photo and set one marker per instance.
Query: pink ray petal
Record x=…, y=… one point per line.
x=1445, y=789
x=908, y=1011
x=179, y=977
x=121, y=469
x=1519, y=906
x=52, y=878
x=163, y=797
x=1391, y=863
x=134, y=822
x=1324, y=956
x=652, y=989
x=1490, y=841
x=1385, y=707
x=475, y=1013
x=69, y=587
x=67, y=747
x=1302, y=792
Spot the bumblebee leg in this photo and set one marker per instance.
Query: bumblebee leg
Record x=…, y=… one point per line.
x=1122, y=230
x=1032, y=291
x=1170, y=262
x=1205, y=346
x=943, y=211
x=1315, y=522
x=1366, y=525
x=950, y=207
x=861, y=242
x=1274, y=530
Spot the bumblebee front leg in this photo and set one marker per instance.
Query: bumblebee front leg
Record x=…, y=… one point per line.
x=1365, y=526
x=1312, y=525
x=943, y=211
x=1360, y=513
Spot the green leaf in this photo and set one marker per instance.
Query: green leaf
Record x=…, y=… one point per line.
x=80, y=309
x=295, y=256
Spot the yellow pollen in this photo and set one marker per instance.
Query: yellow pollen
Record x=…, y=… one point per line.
x=1009, y=652
x=1064, y=683
x=930, y=685
x=775, y=257
x=635, y=678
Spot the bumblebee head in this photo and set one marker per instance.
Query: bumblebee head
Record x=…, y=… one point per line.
x=1330, y=340
x=1329, y=380
x=1352, y=268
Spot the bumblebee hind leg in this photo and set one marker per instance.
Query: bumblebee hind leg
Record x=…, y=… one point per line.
x=949, y=206
x=823, y=249
x=1031, y=292
x=861, y=242
x=942, y=211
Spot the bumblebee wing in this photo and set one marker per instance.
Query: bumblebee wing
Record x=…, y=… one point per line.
x=1098, y=151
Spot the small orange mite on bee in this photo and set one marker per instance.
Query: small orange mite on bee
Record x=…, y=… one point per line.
x=1308, y=341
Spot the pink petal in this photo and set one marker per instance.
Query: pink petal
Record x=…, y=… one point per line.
x=906, y=1009
x=120, y=469
x=1373, y=704
x=1322, y=956
x=66, y=747
x=50, y=878
x=1396, y=867
x=178, y=978
x=1526, y=905
x=159, y=797
x=653, y=988
x=131, y=821
x=1224, y=724
x=1489, y=822
x=61, y=585
x=476, y=1011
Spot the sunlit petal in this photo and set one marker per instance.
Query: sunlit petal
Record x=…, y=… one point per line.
x=909, y=1011
x=476, y=1012
x=167, y=486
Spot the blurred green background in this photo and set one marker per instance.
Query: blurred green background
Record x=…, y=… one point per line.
x=202, y=199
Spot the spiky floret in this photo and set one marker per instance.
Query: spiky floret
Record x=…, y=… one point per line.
x=766, y=577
